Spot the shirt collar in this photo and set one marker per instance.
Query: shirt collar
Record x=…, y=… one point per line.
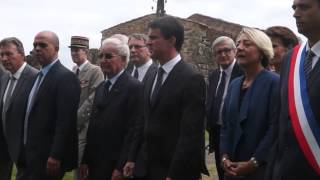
x=315, y=48
x=83, y=65
x=46, y=69
x=229, y=69
x=18, y=73
x=168, y=66
x=114, y=78
x=147, y=64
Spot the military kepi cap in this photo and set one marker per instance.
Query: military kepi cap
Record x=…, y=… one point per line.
x=79, y=41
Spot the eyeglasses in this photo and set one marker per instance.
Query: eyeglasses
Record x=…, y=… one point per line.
x=106, y=56
x=136, y=46
x=225, y=50
x=41, y=45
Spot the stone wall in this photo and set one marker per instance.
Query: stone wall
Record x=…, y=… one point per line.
x=200, y=32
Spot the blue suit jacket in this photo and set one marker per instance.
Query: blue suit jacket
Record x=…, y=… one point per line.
x=248, y=130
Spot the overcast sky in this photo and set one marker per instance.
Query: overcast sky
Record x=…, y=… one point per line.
x=25, y=18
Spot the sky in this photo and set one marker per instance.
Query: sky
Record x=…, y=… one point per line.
x=24, y=19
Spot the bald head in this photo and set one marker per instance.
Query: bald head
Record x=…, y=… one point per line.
x=46, y=47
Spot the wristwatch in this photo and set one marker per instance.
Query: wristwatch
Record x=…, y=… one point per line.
x=254, y=162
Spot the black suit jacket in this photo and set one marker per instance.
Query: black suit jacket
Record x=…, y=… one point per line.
x=137, y=152
x=111, y=126
x=212, y=87
x=17, y=110
x=174, y=125
x=288, y=161
x=52, y=124
x=4, y=154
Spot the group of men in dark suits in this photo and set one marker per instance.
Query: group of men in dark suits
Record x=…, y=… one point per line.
x=39, y=114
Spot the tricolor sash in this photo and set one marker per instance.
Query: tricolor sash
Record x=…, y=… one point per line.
x=306, y=129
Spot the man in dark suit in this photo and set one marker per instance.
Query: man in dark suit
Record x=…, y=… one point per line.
x=50, y=127
x=291, y=159
x=143, y=65
x=14, y=91
x=174, y=108
x=142, y=68
x=116, y=107
x=224, y=50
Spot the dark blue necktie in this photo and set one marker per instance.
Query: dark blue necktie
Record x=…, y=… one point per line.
x=219, y=96
x=157, y=87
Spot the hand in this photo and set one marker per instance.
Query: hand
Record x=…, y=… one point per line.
x=84, y=171
x=168, y=178
x=117, y=175
x=53, y=166
x=128, y=169
x=227, y=165
x=243, y=168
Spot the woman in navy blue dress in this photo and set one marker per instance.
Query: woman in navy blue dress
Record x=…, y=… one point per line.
x=250, y=109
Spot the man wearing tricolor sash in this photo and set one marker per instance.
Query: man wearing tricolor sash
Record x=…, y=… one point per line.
x=296, y=152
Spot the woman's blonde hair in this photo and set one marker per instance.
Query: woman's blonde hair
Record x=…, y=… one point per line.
x=262, y=41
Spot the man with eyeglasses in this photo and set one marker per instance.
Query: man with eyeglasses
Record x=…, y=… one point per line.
x=90, y=76
x=116, y=107
x=14, y=91
x=50, y=125
x=224, y=51
x=140, y=57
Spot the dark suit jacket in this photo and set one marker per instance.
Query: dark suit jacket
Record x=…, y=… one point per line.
x=137, y=151
x=111, y=125
x=17, y=109
x=288, y=161
x=213, y=84
x=4, y=154
x=52, y=125
x=248, y=128
x=174, y=127
x=152, y=67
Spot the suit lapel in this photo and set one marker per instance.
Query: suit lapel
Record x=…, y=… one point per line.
x=21, y=83
x=247, y=96
x=47, y=81
x=4, y=83
x=153, y=68
x=148, y=87
x=170, y=80
x=314, y=75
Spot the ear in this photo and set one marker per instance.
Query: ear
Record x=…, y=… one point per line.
x=173, y=40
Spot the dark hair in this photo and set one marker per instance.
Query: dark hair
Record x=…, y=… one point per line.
x=287, y=37
x=170, y=27
x=15, y=41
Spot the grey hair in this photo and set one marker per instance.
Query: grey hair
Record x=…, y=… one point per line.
x=262, y=41
x=123, y=38
x=138, y=36
x=122, y=48
x=15, y=41
x=221, y=39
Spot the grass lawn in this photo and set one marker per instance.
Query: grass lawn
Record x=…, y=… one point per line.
x=67, y=176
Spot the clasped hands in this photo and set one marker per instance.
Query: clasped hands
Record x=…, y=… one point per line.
x=238, y=169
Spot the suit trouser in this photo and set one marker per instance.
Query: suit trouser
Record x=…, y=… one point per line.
x=5, y=170
x=216, y=145
x=82, y=138
x=33, y=174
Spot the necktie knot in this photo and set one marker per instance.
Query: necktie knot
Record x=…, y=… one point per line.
x=77, y=71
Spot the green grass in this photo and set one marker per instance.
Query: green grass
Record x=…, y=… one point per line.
x=67, y=176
